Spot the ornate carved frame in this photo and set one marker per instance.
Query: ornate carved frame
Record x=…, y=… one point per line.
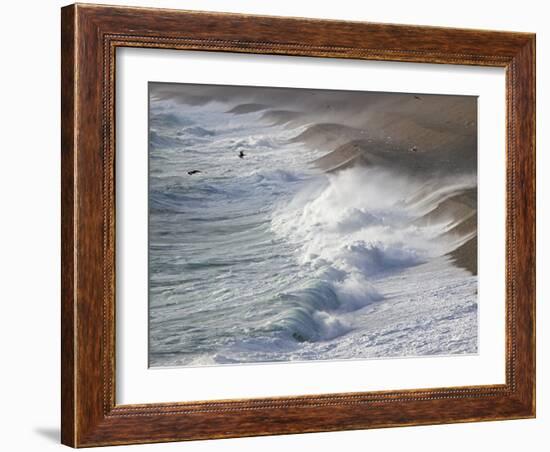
x=90, y=36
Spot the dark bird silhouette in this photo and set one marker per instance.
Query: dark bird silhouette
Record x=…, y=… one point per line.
x=417, y=97
x=195, y=171
x=241, y=154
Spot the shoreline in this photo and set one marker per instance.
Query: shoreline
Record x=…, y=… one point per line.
x=465, y=256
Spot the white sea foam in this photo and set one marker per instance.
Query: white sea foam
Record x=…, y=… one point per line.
x=358, y=220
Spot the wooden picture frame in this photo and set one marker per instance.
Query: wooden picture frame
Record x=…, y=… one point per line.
x=90, y=36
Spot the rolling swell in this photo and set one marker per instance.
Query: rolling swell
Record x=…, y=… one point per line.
x=313, y=313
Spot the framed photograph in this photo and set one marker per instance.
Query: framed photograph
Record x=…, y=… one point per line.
x=281, y=225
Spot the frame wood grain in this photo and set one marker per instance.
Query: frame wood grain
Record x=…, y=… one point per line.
x=90, y=36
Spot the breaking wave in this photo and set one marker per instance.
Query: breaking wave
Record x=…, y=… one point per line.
x=347, y=227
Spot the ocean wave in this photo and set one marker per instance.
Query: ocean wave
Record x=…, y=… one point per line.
x=182, y=198
x=277, y=176
x=168, y=120
x=197, y=131
x=367, y=209
x=372, y=258
x=349, y=229
x=314, y=313
x=160, y=141
x=246, y=108
x=252, y=142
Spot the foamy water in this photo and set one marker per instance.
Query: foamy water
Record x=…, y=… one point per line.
x=266, y=258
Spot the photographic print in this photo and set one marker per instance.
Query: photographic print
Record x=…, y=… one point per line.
x=292, y=224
